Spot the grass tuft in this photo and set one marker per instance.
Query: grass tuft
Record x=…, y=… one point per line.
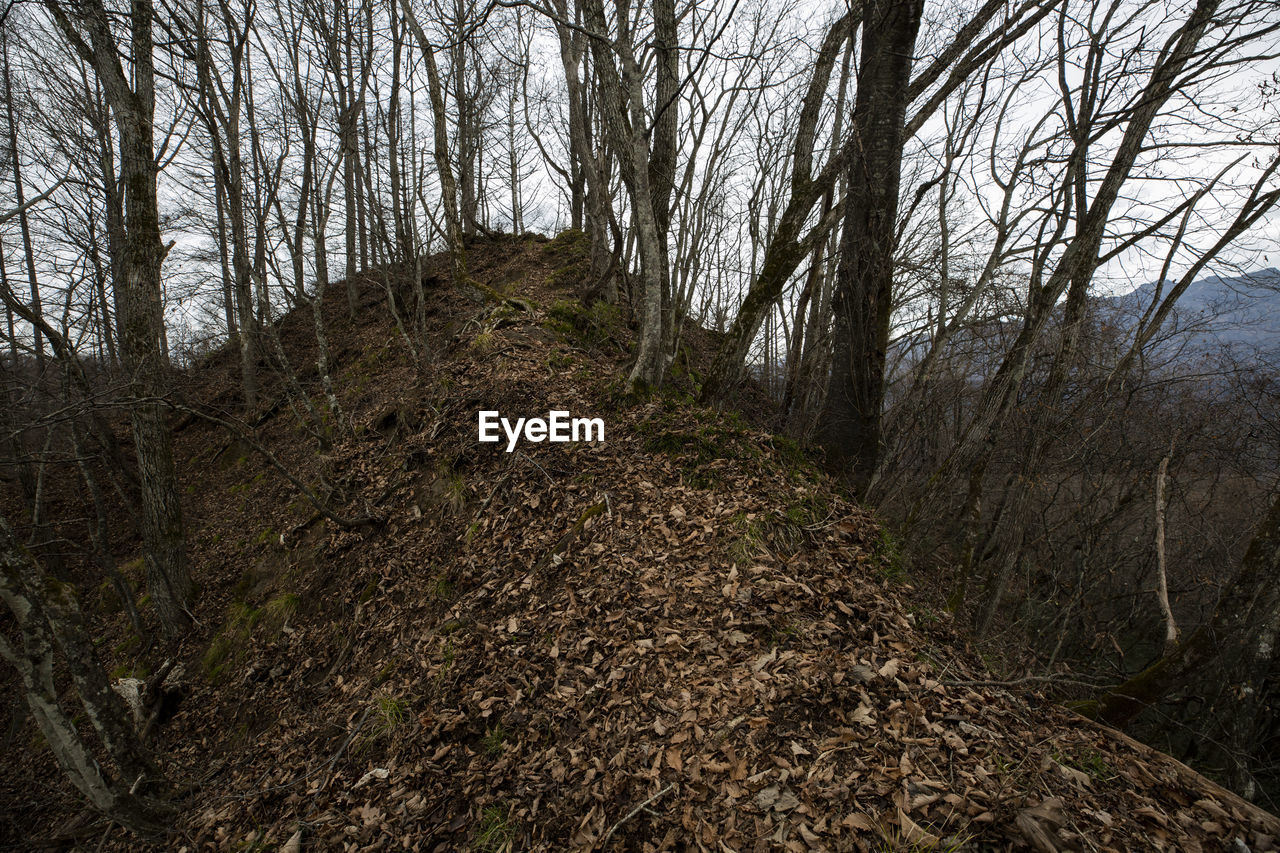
x=496, y=831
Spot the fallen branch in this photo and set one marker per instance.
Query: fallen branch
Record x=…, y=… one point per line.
x=1269, y=823
x=1025, y=680
x=485, y=505
x=312, y=497
x=565, y=541
x=328, y=773
x=635, y=812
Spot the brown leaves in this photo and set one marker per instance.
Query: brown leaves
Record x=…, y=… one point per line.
x=776, y=798
x=604, y=630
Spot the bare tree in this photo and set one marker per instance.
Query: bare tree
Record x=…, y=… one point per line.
x=864, y=286
x=19, y=191
x=87, y=30
x=448, y=184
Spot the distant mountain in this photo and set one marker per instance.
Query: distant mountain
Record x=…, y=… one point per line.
x=1240, y=314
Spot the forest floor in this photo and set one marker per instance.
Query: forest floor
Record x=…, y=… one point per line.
x=680, y=638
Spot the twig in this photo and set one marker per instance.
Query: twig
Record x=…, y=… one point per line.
x=342, y=658
x=529, y=459
x=1028, y=679
x=105, y=835
x=133, y=789
x=633, y=813
x=484, y=506
x=246, y=436
x=719, y=737
x=328, y=774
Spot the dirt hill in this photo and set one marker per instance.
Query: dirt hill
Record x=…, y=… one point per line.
x=681, y=638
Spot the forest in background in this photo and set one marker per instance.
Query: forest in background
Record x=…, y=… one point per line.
x=902, y=221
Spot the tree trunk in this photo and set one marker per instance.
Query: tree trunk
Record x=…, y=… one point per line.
x=448, y=186
x=589, y=169
x=403, y=250
x=863, y=299
x=47, y=616
x=468, y=127
x=142, y=345
x=622, y=103
x=1240, y=636
x=1080, y=257
x=1162, y=577
x=787, y=243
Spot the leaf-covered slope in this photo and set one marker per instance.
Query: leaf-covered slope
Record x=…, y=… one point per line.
x=682, y=638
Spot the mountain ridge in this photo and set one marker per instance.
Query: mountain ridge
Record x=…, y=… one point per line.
x=1239, y=314
x=684, y=637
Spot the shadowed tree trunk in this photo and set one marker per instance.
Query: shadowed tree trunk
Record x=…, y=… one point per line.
x=864, y=285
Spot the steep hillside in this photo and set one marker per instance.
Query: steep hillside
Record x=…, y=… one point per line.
x=679, y=638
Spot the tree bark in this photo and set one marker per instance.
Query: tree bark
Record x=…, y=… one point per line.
x=48, y=617
x=863, y=299
x=133, y=106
